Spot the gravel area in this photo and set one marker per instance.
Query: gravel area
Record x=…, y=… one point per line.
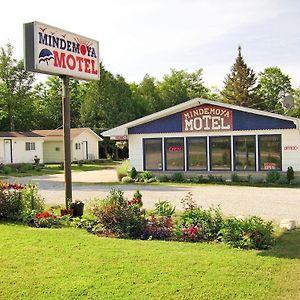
x=269, y=203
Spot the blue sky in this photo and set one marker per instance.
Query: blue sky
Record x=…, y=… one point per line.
x=151, y=36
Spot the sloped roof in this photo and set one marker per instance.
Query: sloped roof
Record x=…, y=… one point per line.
x=123, y=129
x=57, y=134
x=19, y=134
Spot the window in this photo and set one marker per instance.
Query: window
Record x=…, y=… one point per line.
x=57, y=149
x=77, y=146
x=152, y=154
x=197, y=156
x=174, y=149
x=29, y=146
x=269, y=152
x=244, y=153
x=220, y=153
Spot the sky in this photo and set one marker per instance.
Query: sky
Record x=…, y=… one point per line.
x=152, y=36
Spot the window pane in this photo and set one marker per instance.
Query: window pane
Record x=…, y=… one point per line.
x=32, y=146
x=27, y=146
x=244, y=153
x=197, y=158
x=270, y=152
x=153, y=154
x=220, y=149
x=174, y=154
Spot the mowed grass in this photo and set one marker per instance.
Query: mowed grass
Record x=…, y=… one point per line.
x=50, y=169
x=72, y=264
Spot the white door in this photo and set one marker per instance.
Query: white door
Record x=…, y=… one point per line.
x=8, y=151
x=85, y=150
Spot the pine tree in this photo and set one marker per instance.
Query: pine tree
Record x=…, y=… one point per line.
x=240, y=83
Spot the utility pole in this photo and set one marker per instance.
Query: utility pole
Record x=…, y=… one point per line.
x=67, y=138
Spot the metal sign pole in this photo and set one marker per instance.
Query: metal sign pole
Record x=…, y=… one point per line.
x=67, y=138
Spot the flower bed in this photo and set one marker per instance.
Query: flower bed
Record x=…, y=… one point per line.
x=115, y=216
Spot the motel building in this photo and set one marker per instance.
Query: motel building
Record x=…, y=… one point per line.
x=204, y=136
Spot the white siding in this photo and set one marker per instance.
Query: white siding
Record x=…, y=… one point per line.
x=93, y=153
x=291, y=158
x=19, y=152
x=1, y=151
x=290, y=137
x=53, y=151
x=20, y=155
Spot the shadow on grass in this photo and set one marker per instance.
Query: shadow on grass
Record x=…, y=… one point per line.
x=287, y=245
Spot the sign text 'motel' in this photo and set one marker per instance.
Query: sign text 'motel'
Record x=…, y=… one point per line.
x=207, y=118
x=51, y=50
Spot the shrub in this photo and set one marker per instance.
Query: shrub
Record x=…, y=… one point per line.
x=25, y=167
x=215, y=179
x=159, y=228
x=290, y=174
x=164, y=209
x=252, y=233
x=7, y=170
x=151, y=180
x=257, y=180
x=177, y=177
x=17, y=202
x=117, y=217
x=137, y=195
x=272, y=176
x=199, y=179
x=137, y=199
x=203, y=224
x=282, y=180
x=295, y=181
x=133, y=173
x=127, y=179
x=198, y=224
x=122, y=170
x=235, y=177
x=163, y=178
x=146, y=175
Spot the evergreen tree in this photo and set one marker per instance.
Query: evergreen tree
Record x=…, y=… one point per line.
x=240, y=84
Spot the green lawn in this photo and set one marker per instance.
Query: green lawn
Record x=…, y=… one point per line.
x=72, y=264
x=49, y=169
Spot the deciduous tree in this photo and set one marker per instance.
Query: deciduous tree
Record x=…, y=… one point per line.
x=273, y=84
x=15, y=91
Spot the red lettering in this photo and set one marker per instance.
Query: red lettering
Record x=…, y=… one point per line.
x=87, y=65
x=94, y=71
x=80, y=61
x=71, y=62
x=59, y=59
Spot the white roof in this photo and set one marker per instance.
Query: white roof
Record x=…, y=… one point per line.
x=123, y=129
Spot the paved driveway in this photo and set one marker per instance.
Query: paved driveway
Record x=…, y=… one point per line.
x=269, y=203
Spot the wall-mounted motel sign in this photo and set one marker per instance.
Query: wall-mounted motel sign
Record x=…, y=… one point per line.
x=55, y=51
x=207, y=118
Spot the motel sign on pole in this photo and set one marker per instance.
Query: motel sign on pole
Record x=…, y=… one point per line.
x=50, y=50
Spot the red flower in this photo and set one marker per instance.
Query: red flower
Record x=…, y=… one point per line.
x=42, y=215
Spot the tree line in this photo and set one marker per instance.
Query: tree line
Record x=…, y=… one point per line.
x=111, y=101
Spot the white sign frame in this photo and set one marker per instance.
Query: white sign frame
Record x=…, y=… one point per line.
x=55, y=51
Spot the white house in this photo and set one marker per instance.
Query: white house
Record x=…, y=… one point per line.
x=20, y=147
x=84, y=144
x=47, y=145
x=204, y=135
